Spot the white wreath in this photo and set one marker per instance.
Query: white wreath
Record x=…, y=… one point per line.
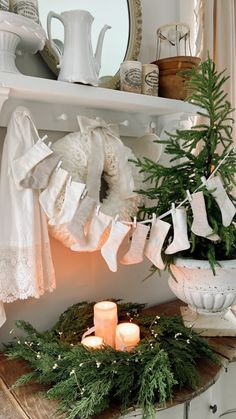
x=76, y=150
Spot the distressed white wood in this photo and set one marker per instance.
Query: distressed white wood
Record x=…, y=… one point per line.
x=47, y=99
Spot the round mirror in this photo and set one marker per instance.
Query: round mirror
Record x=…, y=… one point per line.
x=121, y=42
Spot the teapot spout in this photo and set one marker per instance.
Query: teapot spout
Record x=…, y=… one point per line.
x=98, y=52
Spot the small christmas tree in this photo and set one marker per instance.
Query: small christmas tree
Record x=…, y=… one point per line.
x=205, y=150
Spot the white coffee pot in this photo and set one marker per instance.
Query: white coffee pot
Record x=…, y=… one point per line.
x=77, y=62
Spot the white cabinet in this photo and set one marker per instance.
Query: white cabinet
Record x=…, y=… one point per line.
x=200, y=407
x=228, y=392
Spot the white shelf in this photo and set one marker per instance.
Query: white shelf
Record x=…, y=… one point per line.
x=47, y=99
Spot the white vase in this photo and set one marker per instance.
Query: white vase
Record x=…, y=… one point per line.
x=209, y=297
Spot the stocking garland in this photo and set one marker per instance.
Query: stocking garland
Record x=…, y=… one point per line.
x=227, y=208
x=40, y=168
x=110, y=248
x=180, y=241
x=200, y=225
x=135, y=252
x=157, y=237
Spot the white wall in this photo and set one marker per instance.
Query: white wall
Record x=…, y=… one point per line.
x=86, y=277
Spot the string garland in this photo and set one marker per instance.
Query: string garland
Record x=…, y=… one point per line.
x=204, y=180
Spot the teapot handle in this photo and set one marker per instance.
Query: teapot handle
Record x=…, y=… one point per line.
x=51, y=42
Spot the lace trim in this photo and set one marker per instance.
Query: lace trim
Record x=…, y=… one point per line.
x=25, y=272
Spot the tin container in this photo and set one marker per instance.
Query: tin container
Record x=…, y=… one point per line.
x=131, y=76
x=150, y=79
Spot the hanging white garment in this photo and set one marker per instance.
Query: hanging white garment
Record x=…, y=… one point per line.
x=26, y=268
x=2, y=314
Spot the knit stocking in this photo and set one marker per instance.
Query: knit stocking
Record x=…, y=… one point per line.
x=48, y=196
x=157, y=237
x=135, y=252
x=180, y=242
x=73, y=194
x=110, y=248
x=38, y=177
x=200, y=225
x=24, y=164
x=227, y=208
x=83, y=214
x=94, y=239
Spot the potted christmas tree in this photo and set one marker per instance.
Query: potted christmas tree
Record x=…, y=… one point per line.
x=194, y=233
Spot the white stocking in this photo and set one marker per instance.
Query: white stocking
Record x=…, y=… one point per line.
x=180, y=242
x=82, y=215
x=110, y=248
x=154, y=245
x=200, y=225
x=38, y=177
x=94, y=239
x=135, y=252
x=24, y=164
x=73, y=194
x=227, y=208
x=48, y=197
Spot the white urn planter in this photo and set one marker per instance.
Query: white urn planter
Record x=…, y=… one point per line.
x=209, y=297
x=18, y=34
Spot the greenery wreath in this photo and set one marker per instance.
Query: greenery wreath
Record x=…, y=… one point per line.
x=86, y=381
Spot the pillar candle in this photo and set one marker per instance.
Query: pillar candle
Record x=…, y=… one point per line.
x=105, y=321
x=127, y=336
x=95, y=342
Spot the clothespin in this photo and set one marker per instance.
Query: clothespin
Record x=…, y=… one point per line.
x=153, y=217
x=98, y=209
x=49, y=144
x=84, y=193
x=135, y=222
x=59, y=165
x=189, y=196
x=116, y=218
x=44, y=138
x=173, y=207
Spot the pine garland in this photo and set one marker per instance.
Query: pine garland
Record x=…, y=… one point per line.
x=212, y=138
x=86, y=381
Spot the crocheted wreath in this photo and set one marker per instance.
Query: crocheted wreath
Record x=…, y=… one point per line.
x=75, y=149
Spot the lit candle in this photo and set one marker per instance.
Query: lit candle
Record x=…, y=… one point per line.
x=127, y=336
x=95, y=342
x=105, y=321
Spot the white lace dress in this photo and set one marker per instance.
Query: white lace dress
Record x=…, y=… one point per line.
x=26, y=268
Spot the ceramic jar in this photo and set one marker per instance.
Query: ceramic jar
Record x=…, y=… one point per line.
x=26, y=8
x=131, y=76
x=4, y=5
x=150, y=79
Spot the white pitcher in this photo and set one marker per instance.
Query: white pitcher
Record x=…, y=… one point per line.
x=77, y=63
